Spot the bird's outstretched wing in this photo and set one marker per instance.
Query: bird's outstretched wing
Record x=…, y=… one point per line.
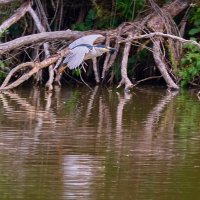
x=75, y=57
x=89, y=39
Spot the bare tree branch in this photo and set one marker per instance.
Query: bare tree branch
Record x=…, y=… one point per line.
x=12, y=72
x=151, y=35
x=19, y=13
x=41, y=29
x=41, y=38
x=125, y=80
x=35, y=68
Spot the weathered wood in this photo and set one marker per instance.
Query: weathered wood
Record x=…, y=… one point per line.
x=19, y=13
x=14, y=70
x=41, y=38
x=125, y=80
x=107, y=65
x=161, y=65
x=41, y=29
x=158, y=24
x=154, y=34
x=36, y=67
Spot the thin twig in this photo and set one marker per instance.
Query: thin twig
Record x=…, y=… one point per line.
x=151, y=35
x=146, y=79
x=84, y=82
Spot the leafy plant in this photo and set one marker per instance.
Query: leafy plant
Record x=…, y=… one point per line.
x=88, y=23
x=190, y=64
x=100, y=16
x=3, y=32
x=76, y=72
x=97, y=17
x=128, y=9
x=195, y=20
x=2, y=69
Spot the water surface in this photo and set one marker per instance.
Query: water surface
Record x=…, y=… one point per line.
x=99, y=144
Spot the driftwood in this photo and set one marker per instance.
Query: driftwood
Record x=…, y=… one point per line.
x=152, y=25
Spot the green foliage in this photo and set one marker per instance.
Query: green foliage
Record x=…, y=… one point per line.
x=195, y=21
x=76, y=72
x=100, y=17
x=136, y=59
x=128, y=9
x=190, y=64
x=88, y=23
x=7, y=10
x=116, y=70
x=97, y=17
x=3, y=32
x=2, y=69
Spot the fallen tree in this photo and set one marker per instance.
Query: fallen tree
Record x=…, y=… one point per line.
x=155, y=27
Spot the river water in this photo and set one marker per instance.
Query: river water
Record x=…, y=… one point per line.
x=100, y=144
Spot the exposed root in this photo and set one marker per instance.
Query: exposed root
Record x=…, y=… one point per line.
x=114, y=55
x=125, y=80
x=96, y=75
x=157, y=54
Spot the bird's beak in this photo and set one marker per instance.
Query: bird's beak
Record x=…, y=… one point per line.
x=111, y=50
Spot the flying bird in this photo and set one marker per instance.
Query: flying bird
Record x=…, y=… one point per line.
x=84, y=49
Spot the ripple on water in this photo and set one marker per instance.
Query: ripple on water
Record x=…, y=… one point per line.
x=99, y=145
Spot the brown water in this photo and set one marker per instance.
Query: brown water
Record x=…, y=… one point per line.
x=78, y=144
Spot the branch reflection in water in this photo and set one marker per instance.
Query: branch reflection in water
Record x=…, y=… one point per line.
x=96, y=141
x=159, y=126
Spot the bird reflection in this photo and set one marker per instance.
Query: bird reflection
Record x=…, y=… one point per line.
x=88, y=140
x=79, y=174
